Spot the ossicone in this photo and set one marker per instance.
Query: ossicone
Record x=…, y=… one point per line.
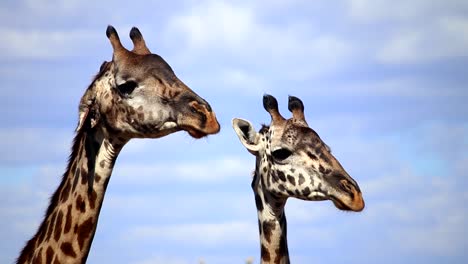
x=139, y=44
x=271, y=106
x=296, y=106
x=119, y=51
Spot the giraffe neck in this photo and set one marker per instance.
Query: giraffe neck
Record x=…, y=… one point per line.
x=67, y=231
x=272, y=224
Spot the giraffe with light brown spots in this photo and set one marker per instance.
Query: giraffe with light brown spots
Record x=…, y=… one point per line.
x=136, y=95
x=291, y=161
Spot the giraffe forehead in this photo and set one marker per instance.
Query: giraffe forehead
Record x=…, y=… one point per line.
x=303, y=141
x=295, y=137
x=149, y=67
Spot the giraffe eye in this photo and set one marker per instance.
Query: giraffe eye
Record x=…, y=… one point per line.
x=127, y=88
x=281, y=154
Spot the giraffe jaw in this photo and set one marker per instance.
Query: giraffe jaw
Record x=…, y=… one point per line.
x=173, y=127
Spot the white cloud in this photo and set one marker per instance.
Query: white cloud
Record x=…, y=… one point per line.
x=206, y=171
x=45, y=44
x=414, y=31
x=409, y=87
x=215, y=22
x=444, y=39
x=454, y=30
x=367, y=10
x=34, y=145
x=402, y=47
x=224, y=201
x=23, y=203
x=444, y=234
x=46, y=6
x=461, y=166
x=240, y=80
x=307, y=213
x=226, y=258
x=397, y=10
x=22, y=209
x=206, y=234
x=423, y=213
x=294, y=50
x=447, y=141
x=163, y=260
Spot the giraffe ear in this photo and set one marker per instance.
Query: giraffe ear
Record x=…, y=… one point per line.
x=247, y=134
x=88, y=112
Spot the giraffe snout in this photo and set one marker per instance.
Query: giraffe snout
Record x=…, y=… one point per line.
x=350, y=198
x=208, y=122
x=357, y=201
x=198, y=119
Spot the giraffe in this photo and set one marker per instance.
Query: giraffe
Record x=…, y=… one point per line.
x=291, y=161
x=136, y=95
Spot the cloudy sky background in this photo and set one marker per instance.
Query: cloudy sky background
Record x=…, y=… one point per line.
x=384, y=83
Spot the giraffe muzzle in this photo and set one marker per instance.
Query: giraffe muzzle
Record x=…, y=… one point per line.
x=201, y=123
x=350, y=199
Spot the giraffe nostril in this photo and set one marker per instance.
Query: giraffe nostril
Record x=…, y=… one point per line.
x=347, y=187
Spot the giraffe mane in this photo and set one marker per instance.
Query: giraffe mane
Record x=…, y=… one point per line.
x=54, y=199
x=56, y=196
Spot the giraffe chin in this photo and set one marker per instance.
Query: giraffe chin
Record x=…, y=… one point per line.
x=355, y=206
x=196, y=134
x=193, y=132
x=340, y=205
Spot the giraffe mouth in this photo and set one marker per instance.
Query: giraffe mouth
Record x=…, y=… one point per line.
x=193, y=132
x=173, y=126
x=355, y=205
x=339, y=204
x=196, y=134
x=197, y=129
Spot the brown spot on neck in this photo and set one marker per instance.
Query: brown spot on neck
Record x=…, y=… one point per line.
x=49, y=254
x=65, y=192
x=84, y=231
x=58, y=226
x=268, y=227
x=280, y=253
x=84, y=175
x=92, y=199
x=67, y=249
x=264, y=253
x=68, y=221
x=80, y=204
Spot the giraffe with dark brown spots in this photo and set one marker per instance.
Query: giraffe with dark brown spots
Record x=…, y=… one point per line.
x=291, y=161
x=136, y=95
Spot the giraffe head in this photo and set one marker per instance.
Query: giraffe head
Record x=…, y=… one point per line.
x=292, y=160
x=137, y=95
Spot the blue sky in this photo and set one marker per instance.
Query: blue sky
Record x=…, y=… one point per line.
x=384, y=84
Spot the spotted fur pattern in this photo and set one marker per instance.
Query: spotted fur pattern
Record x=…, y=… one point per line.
x=291, y=161
x=135, y=97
